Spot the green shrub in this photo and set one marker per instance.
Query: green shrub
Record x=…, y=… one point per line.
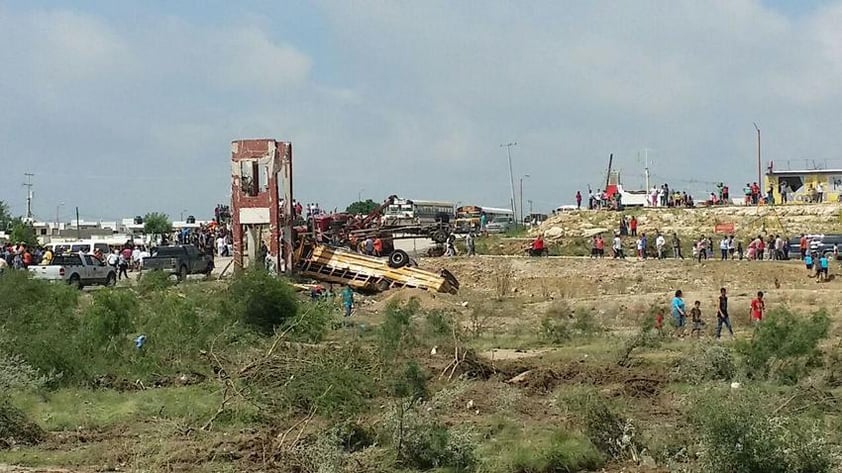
x=15, y=427
x=333, y=383
x=738, y=434
x=39, y=324
x=315, y=321
x=17, y=375
x=425, y=444
x=396, y=332
x=153, y=281
x=561, y=452
x=784, y=346
x=608, y=430
x=437, y=325
x=561, y=323
x=108, y=320
x=706, y=363
x=261, y=301
x=411, y=383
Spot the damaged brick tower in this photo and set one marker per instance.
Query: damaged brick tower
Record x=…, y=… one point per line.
x=258, y=212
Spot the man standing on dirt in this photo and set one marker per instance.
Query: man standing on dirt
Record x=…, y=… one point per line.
x=722, y=315
x=676, y=246
x=633, y=226
x=470, y=246
x=758, y=308
x=723, y=249
x=660, y=243
x=618, y=247
x=578, y=200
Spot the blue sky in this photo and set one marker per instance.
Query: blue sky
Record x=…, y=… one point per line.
x=127, y=107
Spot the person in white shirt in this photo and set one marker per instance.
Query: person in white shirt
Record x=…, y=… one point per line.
x=819, y=193
x=723, y=249
x=136, y=257
x=113, y=258
x=221, y=247
x=618, y=247
x=660, y=243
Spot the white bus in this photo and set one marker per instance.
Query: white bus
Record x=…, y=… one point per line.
x=404, y=212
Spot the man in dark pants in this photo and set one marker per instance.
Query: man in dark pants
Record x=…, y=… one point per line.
x=722, y=314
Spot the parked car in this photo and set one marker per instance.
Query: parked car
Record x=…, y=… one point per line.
x=78, y=270
x=830, y=244
x=500, y=225
x=181, y=260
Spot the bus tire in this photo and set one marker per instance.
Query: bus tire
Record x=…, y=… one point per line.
x=398, y=259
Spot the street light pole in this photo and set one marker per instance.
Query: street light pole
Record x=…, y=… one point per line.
x=525, y=176
x=360, y=195
x=58, y=208
x=508, y=147
x=759, y=181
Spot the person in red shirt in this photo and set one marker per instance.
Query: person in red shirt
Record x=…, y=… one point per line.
x=633, y=226
x=378, y=246
x=758, y=307
x=538, y=247
x=803, y=245
x=761, y=247
x=600, y=246
x=659, y=323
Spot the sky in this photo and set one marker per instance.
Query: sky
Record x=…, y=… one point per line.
x=123, y=108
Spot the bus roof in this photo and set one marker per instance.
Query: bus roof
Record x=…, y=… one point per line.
x=482, y=208
x=496, y=210
x=425, y=202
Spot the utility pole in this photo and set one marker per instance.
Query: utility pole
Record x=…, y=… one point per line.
x=508, y=147
x=525, y=176
x=28, y=184
x=78, y=230
x=58, y=208
x=530, y=206
x=759, y=181
x=646, y=166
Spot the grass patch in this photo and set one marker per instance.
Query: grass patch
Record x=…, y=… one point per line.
x=71, y=408
x=523, y=450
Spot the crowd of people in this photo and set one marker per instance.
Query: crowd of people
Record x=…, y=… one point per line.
x=211, y=239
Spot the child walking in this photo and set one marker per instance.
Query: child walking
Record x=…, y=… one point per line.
x=696, y=317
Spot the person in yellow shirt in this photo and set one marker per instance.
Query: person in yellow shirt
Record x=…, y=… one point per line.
x=47, y=257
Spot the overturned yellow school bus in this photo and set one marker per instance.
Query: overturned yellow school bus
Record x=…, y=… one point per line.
x=368, y=273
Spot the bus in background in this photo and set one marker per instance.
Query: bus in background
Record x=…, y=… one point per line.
x=407, y=212
x=468, y=217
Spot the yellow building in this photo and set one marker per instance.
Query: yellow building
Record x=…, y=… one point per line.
x=804, y=186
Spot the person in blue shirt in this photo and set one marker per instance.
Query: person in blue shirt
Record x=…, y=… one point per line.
x=824, y=265
x=808, y=261
x=679, y=315
x=348, y=300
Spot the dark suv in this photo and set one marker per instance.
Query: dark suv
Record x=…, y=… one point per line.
x=826, y=244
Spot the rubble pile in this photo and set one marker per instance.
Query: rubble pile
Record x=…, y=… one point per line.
x=748, y=221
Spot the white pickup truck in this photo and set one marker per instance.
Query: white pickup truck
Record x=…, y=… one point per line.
x=77, y=270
